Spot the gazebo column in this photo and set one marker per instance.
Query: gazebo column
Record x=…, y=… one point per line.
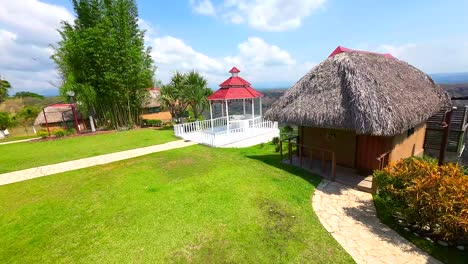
x=253, y=112
x=243, y=101
x=227, y=116
x=222, y=109
x=260, y=106
x=211, y=116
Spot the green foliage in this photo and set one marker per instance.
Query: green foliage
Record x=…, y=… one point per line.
x=5, y=121
x=27, y=115
x=275, y=141
x=4, y=87
x=58, y=132
x=28, y=94
x=153, y=123
x=427, y=195
x=70, y=131
x=186, y=91
x=103, y=59
x=42, y=134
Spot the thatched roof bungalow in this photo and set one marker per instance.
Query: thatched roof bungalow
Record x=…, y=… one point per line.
x=360, y=106
x=152, y=108
x=59, y=116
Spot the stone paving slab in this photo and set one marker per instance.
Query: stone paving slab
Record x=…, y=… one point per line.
x=350, y=217
x=22, y=175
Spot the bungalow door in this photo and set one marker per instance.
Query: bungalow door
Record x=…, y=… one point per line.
x=369, y=148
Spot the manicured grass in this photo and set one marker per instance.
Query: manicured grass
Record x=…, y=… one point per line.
x=8, y=139
x=32, y=154
x=445, y=254
x=195, y=204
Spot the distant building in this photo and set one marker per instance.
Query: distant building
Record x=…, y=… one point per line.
x=152, y=110
x=60, y=116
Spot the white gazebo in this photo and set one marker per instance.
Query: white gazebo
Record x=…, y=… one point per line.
x=231, y=130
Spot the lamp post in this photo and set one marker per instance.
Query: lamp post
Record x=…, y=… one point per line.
x=71, y=94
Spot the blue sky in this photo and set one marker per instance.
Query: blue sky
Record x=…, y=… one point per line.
x=273, y=43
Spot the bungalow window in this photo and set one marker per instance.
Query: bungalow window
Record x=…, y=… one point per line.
x=152, y=110
x=410, y=132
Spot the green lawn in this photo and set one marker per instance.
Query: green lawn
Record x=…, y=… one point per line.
x=32, y=154
x=195, y=204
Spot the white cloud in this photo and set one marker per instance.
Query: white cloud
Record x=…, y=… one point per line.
x=268, y=15
x=27, y=28
x=449, y=55
x=259, y=62
x=203, y=7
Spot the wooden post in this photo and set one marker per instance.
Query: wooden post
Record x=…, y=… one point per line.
x=281, y=150
x=45, y=119
x=300, y=154
x=290, y=150
x=443, y=144
x=75, y=119
x=333, y=167
x=322, y=163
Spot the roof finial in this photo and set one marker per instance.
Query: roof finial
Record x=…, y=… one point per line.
x=234, y=71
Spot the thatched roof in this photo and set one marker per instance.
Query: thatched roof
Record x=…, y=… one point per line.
x=366, y=93
x=154, y=95
x=56, y=114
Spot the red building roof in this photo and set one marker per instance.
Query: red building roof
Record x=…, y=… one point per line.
x=340, y=49
x=235, y=87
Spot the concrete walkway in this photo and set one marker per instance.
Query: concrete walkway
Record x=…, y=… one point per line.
x=350, y=217
x=22, y=175
x=18, y=141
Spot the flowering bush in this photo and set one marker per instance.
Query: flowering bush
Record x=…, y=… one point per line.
x=431, y=197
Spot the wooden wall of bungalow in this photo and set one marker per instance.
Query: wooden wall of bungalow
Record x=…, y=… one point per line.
x=361, y=151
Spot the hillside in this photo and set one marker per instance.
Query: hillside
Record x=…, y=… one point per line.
x=14, y=105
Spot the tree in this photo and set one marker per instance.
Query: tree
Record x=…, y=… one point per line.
x=4, y=86
x=197, y=93
x=174, y=95
x=5, y=121
x=103, y=59
x=27, y=115
x=28, y=94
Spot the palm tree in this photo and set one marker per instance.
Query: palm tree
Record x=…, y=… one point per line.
x=197, y=93
x=4, y=86
x=174, y=96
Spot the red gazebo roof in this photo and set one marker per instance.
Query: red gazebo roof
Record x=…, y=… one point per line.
x=341, y=49
x=235, y=87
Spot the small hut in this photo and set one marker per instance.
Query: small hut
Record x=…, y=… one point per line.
x=58, y=116
x=360, y=109
x=152, y=108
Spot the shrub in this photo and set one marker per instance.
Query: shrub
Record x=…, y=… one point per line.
x=58, y=132
x=431, y=197
x=42, y=133
x=70, y=131
x=153, y=123
x=275, y=141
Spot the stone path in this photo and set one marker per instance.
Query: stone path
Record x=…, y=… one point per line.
x=349, y=216
x=18, y=141
x=27, y=174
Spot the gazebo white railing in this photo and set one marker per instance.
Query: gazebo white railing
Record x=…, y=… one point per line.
x=231, y=130
x=218, y=136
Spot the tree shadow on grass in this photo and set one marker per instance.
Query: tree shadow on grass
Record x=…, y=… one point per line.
x=274, y=161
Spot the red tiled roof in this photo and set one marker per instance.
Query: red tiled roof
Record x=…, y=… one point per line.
x=340, y=49
x=235, y=87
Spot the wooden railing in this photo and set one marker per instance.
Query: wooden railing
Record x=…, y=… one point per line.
x=382, y=160
x=293, y=142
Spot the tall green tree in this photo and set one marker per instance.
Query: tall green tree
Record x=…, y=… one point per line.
x=103, y=59
x=5, y=121
x=4, y=86
x=197, y=93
